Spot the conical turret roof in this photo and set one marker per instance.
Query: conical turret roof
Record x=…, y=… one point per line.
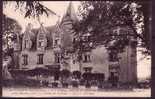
x=70, y=14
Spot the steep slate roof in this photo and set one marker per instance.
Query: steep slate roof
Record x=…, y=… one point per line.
x=64, y=26
x=70, y=14
x=49, y=35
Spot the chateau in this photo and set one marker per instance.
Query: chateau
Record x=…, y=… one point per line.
x=42, y=47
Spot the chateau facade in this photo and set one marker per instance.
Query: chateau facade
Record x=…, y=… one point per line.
x=43, y=48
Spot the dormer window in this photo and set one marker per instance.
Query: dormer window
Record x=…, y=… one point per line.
x=40, y=43
x=56, y=42
x=26, y=43
x=41, y=39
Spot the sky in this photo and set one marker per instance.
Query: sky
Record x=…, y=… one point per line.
x=143, y=66
x=59, y=7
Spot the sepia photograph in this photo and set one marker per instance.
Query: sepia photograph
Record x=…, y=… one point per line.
x=76, y=48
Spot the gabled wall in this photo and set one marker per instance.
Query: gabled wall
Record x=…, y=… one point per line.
x=41, y=38
x=29, y=43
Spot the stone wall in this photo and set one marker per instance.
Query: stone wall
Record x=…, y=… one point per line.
x=48, y=58
x=99, y=62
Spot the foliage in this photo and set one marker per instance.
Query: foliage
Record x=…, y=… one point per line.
x=65, y=73
x=10, y=30
x=32, y=9
x=77, y=74
x=87, y=76
x=99, y=18
x=146, y=33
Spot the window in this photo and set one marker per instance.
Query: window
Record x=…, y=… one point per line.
x=74, y=40
x=73, y=61
x=87, y=58
x=25, y=59
x=57, y=58
x=41, y=41
x=112, y=57
x=26, y=44
x=41, y=36
x=87, y=69
x=56, y=42
x=40, y=59
x=40, y=44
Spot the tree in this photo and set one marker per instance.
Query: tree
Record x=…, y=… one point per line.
x=64, y=77
x=31, y=9
x=77, y=74
x=87, y=78
x=146, y=33
x=5, y=72
x=100, y=18
x=10, y=30
x=65, y=73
